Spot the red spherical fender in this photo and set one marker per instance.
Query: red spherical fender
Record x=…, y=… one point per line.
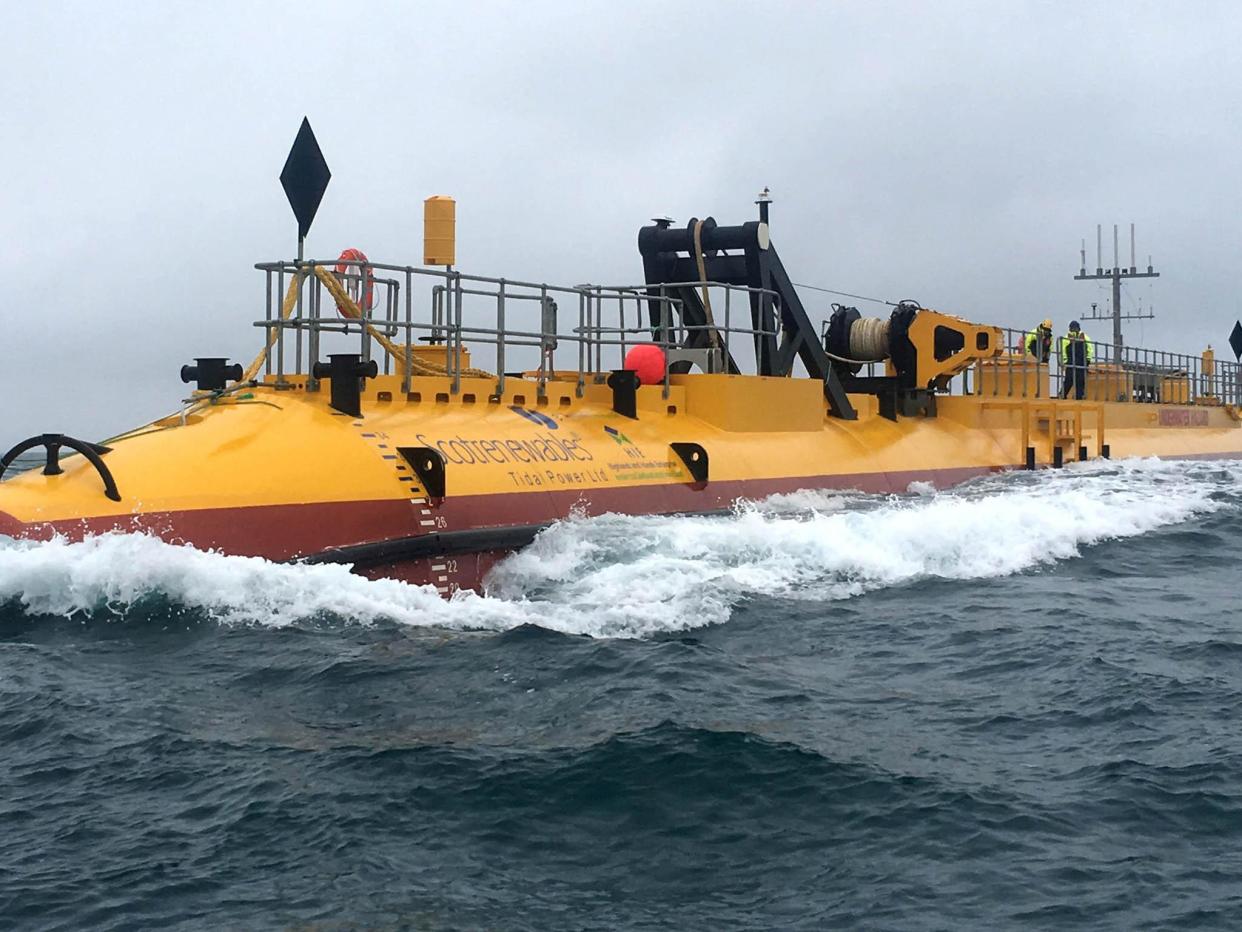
x=361, y=292
x=646, y=360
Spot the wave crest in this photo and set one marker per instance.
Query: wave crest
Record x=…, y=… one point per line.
x=618, y=576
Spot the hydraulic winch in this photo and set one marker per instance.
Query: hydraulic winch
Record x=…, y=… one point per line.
x=922, y=350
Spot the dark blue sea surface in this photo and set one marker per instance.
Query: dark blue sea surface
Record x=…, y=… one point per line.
x=1012, y=705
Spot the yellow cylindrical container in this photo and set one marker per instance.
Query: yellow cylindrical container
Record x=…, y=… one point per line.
x=1109, y=382
x=1013, y=376
x=1175, y=389
x=439, y=230
x=1207, y=390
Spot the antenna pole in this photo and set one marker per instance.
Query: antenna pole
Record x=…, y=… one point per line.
x=1116, y=295
x=1114, y=276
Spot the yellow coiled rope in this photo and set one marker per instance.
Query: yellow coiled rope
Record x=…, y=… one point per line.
x=290, y=302
x=712, y=333
x=350, y=309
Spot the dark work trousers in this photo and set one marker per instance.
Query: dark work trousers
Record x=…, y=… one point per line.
x=1075, y=378
x=1075, y=369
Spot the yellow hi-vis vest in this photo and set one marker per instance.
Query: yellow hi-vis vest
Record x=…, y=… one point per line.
x=1068, y=340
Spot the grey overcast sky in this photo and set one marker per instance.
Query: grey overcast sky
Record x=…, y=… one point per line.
x=951, y=152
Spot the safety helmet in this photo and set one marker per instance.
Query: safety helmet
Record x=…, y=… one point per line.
x=1074, y=326
x=1047, y=324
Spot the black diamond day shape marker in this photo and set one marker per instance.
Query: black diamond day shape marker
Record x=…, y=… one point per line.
x=305, y=177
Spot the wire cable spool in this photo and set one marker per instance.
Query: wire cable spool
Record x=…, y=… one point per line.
x=869, y=339
x=854, y=340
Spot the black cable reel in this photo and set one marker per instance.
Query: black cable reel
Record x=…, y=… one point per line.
x=211, y=373
x=837, y=336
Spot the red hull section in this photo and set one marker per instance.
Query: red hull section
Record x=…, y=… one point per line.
x=290, y=532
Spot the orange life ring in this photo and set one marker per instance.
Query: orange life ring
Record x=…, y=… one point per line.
x=361, y=290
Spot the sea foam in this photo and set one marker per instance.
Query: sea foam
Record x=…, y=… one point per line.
x=617, y=576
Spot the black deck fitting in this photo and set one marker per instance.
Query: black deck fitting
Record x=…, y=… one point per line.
x=428, y=465
x=211, y=373
x=695, y=459
x=51, y=467
x=624, y=384
x=346, y=372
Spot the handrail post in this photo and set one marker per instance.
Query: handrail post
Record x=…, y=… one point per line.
x=407, y=362
x=267, y=331
x=1039, y=364
x=457, y=301
x=1009, y=369
x=280, y=330
x=312, y=383
x=364, y=332
x=665, y=315
x=599, y=329
x=545, y=357
x=500, y=342
x=302, y=310
x=584, y=357
x=437, y=312
x=621, y=322
x=393, y=296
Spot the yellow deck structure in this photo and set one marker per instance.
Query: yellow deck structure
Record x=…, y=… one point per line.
x=280, y=474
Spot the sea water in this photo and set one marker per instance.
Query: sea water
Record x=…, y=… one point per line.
x=1012, y=704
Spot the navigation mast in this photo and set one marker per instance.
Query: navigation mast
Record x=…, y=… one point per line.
x=1115, y=275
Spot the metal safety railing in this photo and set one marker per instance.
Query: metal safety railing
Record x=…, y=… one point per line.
x=442, y=321
x=445, y=322
x=1098, y=371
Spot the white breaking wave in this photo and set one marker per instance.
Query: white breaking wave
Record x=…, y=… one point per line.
x=616, y=576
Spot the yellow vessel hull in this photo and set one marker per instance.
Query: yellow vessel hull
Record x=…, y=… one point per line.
x=280, y=474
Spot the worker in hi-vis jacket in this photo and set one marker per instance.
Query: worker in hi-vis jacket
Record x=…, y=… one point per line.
x=1076, y=356
x=1038, y=342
